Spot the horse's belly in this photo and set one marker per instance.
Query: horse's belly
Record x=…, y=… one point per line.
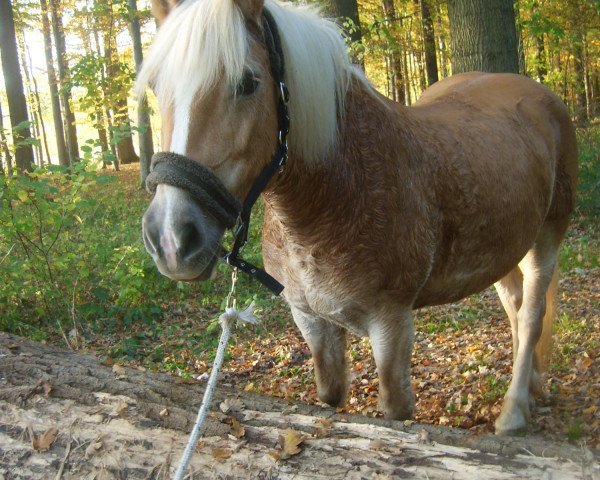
x=465, y=275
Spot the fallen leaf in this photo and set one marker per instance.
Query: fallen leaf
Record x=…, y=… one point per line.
x=587, y=363
x=121, y=407
x=290, y=443
x=237, y=429
x=231, y=405
x=276, y=454
x=92, y=449
x=45, y=440
x=376, y=444
x=590, y=410
x=325, y=422
x=47, y=389
x=221, y=453
x=424, y=438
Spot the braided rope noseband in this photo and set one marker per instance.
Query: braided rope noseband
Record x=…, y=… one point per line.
x=204, y=186
x=176, y=170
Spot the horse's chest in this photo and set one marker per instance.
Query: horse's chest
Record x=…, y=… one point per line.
x=314, y=286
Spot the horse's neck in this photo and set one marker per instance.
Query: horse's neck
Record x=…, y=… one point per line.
x=355, y=180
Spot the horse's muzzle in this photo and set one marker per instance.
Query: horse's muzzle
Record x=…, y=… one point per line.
x=182, y=241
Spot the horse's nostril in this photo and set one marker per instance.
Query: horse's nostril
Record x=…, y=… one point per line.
x=190, y=241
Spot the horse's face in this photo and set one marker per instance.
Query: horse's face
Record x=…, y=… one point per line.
x=229, y=128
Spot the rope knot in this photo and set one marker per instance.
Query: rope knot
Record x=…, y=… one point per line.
x=232, y=315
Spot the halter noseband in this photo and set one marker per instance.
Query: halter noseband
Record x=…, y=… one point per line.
x=204, y=186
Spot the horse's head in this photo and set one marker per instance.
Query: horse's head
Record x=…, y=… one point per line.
x=210, y=71
x=212, y=68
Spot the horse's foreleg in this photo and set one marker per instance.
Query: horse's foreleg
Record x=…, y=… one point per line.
x=327, y=343
x=392, y=337
x=538, y=268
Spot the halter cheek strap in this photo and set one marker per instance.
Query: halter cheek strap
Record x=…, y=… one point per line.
x=276, y=60
x=179, y=171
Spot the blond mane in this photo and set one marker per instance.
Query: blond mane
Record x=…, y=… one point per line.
x=201, y=40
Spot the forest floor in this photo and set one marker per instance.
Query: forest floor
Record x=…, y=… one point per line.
x=461, y=364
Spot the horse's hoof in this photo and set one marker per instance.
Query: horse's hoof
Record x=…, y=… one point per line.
x=333, y=397
x=513, y=419
x=398, y=412
x=519, y=432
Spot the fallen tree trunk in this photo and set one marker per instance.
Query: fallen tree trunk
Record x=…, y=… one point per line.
x=66, y=415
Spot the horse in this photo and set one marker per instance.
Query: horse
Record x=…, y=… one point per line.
x=381, y=209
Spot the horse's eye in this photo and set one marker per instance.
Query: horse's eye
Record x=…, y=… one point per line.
x=247, y=85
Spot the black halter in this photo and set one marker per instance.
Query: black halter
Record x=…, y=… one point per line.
x=177, y=170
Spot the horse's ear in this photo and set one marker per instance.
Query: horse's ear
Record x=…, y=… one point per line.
x=251, y=9
x=161, y=8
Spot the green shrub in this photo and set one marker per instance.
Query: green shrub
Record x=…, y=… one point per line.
x=63, y=258
x=588, y=199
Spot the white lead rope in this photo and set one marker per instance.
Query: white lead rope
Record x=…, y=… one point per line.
x=227, y=320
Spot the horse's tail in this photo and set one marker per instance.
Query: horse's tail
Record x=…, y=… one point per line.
x=543, y=349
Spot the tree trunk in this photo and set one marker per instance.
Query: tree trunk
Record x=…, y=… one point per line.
x=579, y=86
x=123, y=141
x=429, y=43
x=441, y=42
x=59, y=133
x=109, y=102
x=125, y=423
x=63, y=73
x=4, y=148
x=483, y=36
x=394, y=58
x=344, y=10
x=36, y=103
x=144, y=126
x=541, y=65
x=17, y=104
x=35, y=131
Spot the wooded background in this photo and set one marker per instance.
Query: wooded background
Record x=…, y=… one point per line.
x=78, y=104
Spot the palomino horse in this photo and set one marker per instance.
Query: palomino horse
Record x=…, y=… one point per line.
x=381, y=209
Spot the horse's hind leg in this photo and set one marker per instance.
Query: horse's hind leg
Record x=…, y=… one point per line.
x=327, y=343
x=510, y=291
x=538, y=269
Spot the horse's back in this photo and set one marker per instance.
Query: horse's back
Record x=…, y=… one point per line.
x=504, y=151
x=539, y=115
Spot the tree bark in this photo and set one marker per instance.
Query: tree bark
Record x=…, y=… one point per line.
x=144, y=126
x=125, y=423
x=124, y=142
x=429, y=43
x=483, y=36
x=36, y=103
x=63, y=73
x=579, y=86
x=394, y=58
x=441, y=41
x=17, y=104
x=4, y=146
x=541, y=65
x=59, y=132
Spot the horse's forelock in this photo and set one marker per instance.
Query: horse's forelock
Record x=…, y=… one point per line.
x=199, y=41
